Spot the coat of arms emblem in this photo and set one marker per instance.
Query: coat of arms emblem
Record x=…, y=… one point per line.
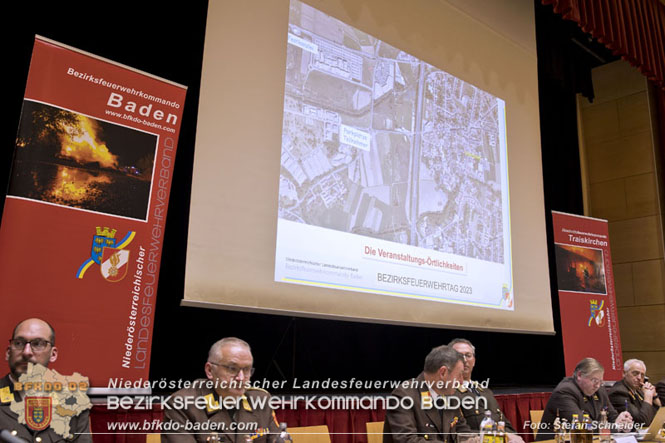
x=597, y=314
x=38, y=412
x=109, y=253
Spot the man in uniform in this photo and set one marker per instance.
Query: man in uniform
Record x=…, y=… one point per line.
x=660, y=389
x=428, y=419
x=581, y=394
x=230, y=411
x=472, y=389
x=33, y=341
x=633, y=394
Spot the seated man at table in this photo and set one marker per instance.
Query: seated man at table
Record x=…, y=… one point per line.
x=472, y=389
x=583, y=393
x=33, y=341
x=230, y=411
x=633, y=394
x=428, y=419
x=660, y=389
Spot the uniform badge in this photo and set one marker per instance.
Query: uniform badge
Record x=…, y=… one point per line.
x=259, y=433
x=106, y=251
x=38, y=412
x=6, y=395
x=212, y=405
x=245, y=404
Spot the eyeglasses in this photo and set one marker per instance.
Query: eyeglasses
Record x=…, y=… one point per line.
x=36, y=344
x=468, y=355
x=234, y=370
x=595, y=381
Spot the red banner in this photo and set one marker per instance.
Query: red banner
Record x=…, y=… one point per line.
x=83, y=222
x=586, y=293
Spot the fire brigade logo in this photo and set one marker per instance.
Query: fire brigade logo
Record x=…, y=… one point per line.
x=114, y=263
x=110, y=254
x=38, y=412
x=597, y=313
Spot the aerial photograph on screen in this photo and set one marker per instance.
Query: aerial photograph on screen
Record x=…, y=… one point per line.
x=381, y=144
x=69, y=159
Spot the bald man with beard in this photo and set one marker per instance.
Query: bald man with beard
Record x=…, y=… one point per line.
x=33, y=341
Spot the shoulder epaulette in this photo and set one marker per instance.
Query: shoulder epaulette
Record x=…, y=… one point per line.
x=6, y=395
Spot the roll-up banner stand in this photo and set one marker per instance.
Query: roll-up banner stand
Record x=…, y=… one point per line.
x=83, y=221
x=587, y=299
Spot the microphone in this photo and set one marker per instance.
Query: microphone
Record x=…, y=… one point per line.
x=8, y=437
x=283, y=436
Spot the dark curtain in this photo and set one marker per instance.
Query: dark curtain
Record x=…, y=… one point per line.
x=659, y=95
x=634, y=29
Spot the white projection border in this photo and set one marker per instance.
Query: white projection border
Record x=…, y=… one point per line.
x=393, y=172
x=244, y=187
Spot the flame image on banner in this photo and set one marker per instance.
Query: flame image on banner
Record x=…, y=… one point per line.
x=79, y=142
x=580, y=269
x=69, y=159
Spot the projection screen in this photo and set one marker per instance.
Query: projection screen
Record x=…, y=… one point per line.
x=373, y=161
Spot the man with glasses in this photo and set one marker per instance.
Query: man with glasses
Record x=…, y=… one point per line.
x=472, y=389
x=583, y=393
x=223, y=406
x=635, y=395
x=33, y=341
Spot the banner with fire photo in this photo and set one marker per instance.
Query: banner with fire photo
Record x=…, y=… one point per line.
x=587, y=301
x=83, y=221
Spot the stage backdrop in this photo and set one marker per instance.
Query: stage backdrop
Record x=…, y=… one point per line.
x=82, y=229
x=586, y=292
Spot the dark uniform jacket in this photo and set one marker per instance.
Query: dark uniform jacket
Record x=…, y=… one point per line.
x=418, y=425
x=660, y=389
x=474, y=416
x=569, y=399
x=191, y=423
x=623, y=398
x=9, y=420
